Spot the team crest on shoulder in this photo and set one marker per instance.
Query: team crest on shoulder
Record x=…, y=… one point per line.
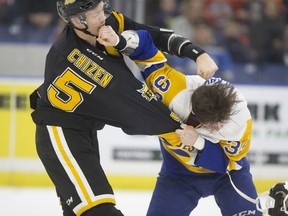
x=147, y=93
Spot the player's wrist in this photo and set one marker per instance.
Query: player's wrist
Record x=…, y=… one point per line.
x=121, y=43
x=191, y=51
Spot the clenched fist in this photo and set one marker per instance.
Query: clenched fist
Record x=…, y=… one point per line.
x=206, y=67
x=107, y=36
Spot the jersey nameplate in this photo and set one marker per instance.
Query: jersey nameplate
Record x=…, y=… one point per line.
x=90, y=68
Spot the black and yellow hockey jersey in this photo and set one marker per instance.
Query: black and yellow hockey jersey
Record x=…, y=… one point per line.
x=87, y=87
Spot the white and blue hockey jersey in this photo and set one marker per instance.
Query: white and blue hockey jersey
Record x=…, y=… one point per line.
x=223, y=150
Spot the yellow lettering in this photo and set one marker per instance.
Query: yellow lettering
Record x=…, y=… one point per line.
x=72, y=56
x=80, y=61
x=86, y=65
x=105, y=80
x=98, y=74
x=188, y=148
x=91, y=69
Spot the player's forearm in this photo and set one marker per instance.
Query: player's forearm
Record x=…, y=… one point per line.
x=210, y=155
x=139, y=46
x=167, y=41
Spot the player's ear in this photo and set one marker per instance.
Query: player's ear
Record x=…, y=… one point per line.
x=75, y=21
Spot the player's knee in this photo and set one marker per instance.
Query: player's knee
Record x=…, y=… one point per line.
x=107, y=209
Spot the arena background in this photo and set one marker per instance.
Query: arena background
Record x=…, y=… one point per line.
x=21, y=71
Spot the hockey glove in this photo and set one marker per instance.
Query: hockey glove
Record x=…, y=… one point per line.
x=280, y=194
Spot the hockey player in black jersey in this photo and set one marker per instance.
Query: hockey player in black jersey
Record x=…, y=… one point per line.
x=87, y=85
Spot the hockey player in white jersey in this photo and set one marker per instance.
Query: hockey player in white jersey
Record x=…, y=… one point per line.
x=211, y=159
x=216, y=144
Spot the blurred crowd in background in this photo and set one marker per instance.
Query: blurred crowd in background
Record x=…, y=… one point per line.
x=236, y=33
x=34, y=21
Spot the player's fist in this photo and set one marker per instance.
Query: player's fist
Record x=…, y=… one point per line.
x=206, y=66
x=187, y=135
x=107, y=36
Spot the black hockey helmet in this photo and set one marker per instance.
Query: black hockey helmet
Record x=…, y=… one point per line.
x=68, y=8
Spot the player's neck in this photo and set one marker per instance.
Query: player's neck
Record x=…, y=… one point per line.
x=89, y=38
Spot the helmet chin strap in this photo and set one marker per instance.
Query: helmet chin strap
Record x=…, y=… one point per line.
x=84, y=30
x=82, y=19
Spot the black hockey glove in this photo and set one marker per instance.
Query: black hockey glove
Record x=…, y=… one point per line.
x=280, y=194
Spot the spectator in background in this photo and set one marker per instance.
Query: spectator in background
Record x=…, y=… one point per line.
x=236, y=42
x=267, y=33
x=248, y=37
x=37, y=20
x=6, y=11
x=218, y=12
x=274, y=32
x=193, y=23
x=286, y=47
x=204, y=37
x=192, y=11
x=6, y=16
x=166, y=11
x=286, y=9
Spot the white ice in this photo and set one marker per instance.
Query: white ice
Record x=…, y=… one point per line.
x=43, y=202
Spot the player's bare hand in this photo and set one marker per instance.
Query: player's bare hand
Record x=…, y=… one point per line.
x=107, y=36
x=206, y=66
x=187, y=135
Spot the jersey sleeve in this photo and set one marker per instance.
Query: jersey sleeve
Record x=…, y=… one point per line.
x=236, y=146
x=168, y=85
x=166, y=82
x=164, y=39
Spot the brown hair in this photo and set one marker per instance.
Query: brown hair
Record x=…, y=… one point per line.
x=214, y=103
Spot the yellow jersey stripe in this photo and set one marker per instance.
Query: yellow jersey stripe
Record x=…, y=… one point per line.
x=120, y=19
x=189, y=167
x=157, y=58
x=75, y=173
x=172, y=137
x=70, y=167
x=243, y=149
x=95, y=203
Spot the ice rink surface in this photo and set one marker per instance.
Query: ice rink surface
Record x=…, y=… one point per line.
x=43, y=202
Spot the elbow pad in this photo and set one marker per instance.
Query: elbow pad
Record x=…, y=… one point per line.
x=183, y=47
